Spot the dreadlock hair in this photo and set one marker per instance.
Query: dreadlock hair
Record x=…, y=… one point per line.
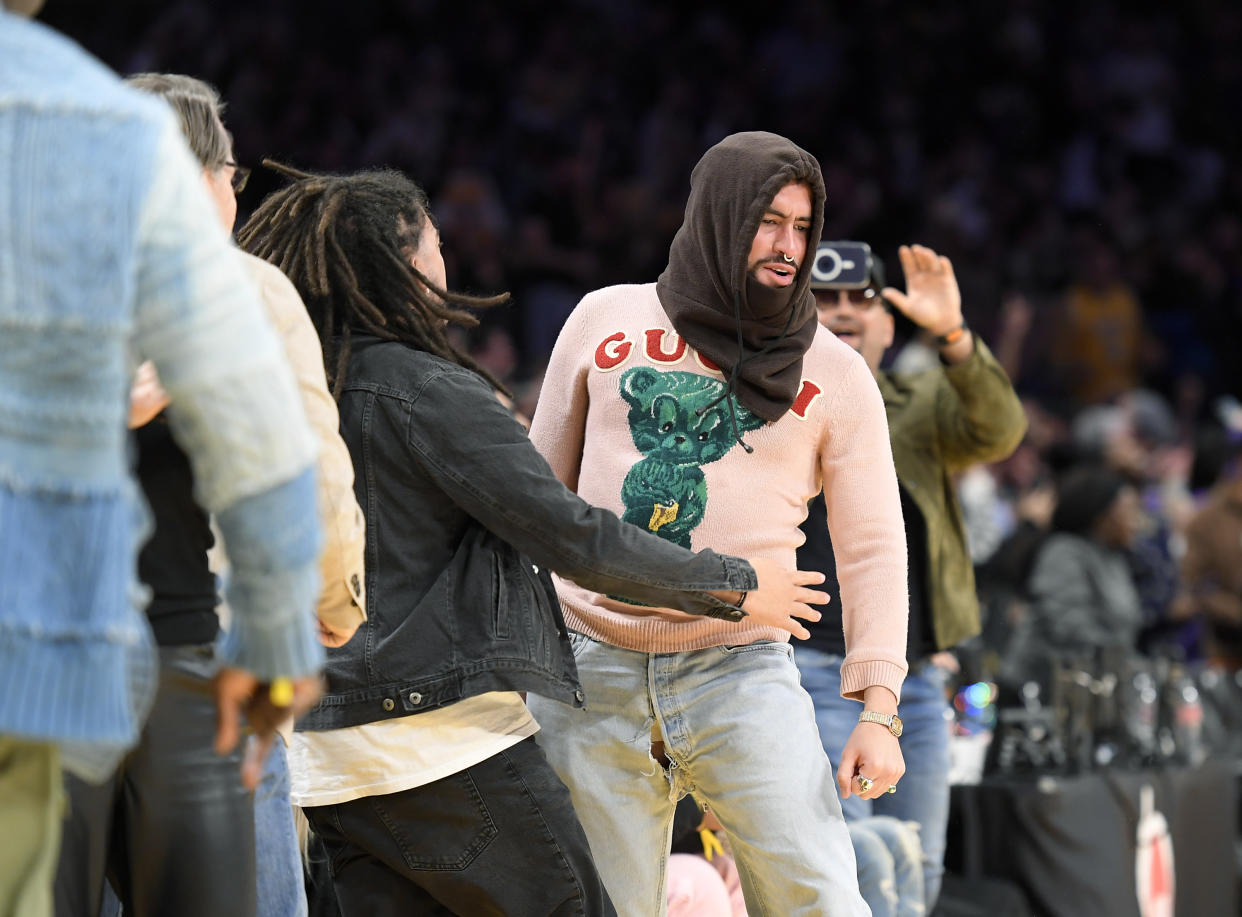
x=345, y=241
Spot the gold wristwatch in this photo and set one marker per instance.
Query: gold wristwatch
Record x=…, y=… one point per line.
x=891, y=720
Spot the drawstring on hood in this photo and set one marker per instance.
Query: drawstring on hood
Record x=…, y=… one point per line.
x=756, y=334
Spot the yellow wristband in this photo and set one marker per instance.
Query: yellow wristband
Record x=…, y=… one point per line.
x=280, y=693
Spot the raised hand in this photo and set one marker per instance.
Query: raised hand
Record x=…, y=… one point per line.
x=932, y=299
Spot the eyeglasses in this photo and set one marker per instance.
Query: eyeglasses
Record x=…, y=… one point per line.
x=859, y=299
x=241, y=175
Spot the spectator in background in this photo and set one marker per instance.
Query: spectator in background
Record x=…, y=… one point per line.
x=990, y=513
x=1082, y=598
x=1211, y=568
x=941, y=422
x=1138, y=437
x=111, y=251
x=1097, y=343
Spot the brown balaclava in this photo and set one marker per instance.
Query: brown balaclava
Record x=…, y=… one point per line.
x=757, y=335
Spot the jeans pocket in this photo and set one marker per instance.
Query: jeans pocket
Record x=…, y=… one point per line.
x=443, y=826
x=578, y=642
x=759, y=646
x=334, y=846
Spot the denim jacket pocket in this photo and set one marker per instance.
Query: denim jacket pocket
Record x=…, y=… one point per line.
x=500, y=600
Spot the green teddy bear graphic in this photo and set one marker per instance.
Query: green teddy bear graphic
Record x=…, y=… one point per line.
x=666, y=492
x=664, y=498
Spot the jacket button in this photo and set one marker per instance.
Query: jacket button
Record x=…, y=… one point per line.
x=579, y=696
x=415, y=698
x=388, y=704
x=354, y=581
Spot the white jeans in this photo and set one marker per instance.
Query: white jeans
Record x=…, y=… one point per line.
x=740, y=733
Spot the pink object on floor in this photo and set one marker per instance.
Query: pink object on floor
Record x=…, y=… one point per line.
x=697, y=888
x=733, y=884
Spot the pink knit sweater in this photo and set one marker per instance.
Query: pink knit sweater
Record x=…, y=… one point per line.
x=618, y=422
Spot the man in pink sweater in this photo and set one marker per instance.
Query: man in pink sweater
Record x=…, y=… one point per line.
x=709, y=407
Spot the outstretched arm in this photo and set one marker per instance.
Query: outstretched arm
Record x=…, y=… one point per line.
x=489, y=466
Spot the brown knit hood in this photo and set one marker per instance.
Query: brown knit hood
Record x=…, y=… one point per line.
x=755, y=334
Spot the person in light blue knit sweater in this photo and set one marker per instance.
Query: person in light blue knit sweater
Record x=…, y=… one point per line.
x=110, y=254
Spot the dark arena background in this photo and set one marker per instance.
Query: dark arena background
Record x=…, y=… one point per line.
x=1040, y=145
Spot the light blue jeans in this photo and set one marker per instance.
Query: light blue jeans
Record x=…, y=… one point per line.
x=281, y=886
x=740, y=732
x=923, y=796
x=890, y=866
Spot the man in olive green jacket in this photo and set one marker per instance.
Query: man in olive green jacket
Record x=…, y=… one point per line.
x=941, y=421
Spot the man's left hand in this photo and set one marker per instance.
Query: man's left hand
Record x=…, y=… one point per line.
x=872, y=752
x=932, y=299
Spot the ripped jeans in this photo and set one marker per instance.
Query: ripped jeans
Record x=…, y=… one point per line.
x=740, y=732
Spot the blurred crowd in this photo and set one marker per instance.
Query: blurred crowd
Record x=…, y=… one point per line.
x=1074, y=168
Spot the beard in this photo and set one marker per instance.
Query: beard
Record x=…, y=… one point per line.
x=768, y=305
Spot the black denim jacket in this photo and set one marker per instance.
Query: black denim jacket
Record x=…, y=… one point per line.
x=464, y=521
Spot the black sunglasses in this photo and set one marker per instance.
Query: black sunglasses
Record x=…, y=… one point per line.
x=860, y=299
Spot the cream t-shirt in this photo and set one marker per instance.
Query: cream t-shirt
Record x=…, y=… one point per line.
x=336, y=765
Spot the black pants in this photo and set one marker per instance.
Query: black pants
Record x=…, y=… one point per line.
x=173, y=828
x=499, y=839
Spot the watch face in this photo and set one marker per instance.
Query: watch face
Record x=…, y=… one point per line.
x=895, y=726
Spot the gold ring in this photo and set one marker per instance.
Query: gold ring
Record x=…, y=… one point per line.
x=865, y=784
x=280, y=692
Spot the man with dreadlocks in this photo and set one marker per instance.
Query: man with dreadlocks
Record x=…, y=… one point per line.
x=418, y=771
x=711, y=406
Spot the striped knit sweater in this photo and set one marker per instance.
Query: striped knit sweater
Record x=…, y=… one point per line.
x=618, y=421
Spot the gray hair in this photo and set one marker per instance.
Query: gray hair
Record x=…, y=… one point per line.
x=22, y=7
x=198, y=107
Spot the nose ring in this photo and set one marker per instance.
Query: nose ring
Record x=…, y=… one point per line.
x=787, y=259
